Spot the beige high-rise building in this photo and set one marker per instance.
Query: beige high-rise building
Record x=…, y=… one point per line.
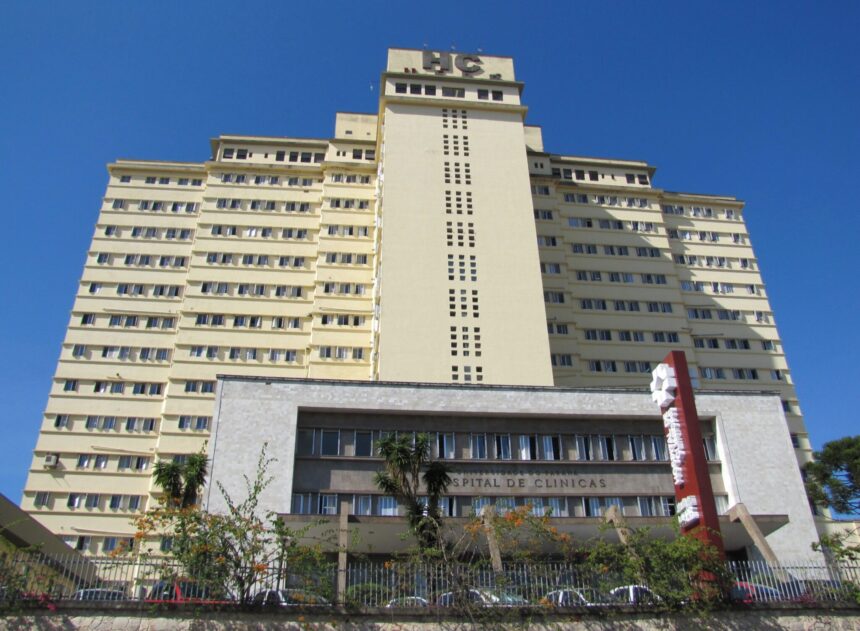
x=434, y=241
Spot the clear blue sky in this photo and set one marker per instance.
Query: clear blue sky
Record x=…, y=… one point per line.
x=760, y=100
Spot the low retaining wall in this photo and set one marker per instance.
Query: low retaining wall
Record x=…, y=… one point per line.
x=757, y=619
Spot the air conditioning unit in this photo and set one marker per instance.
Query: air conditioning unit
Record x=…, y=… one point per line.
x=51, y=461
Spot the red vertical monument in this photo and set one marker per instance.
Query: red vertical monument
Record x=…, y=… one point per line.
x=672, y=390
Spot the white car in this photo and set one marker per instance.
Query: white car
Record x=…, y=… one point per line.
x=633, y=595
x=483, y=598
x=571, y=597
x=407, y=602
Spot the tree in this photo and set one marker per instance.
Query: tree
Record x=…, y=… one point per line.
x=833, y=478
x=182, y=481
x=231, y=552
x=409, y=475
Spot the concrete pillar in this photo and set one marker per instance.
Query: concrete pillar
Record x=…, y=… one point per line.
x=342, y=542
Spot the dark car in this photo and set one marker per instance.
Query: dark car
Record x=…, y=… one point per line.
x=748, y=593
x=289, y=598
x=183, y=592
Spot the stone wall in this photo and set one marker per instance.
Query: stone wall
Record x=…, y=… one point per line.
x=123, y=620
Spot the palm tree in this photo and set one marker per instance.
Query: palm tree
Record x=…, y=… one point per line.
x=408, y=476
x=182, y=481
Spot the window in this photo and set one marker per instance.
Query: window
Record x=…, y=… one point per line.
x=363, y=444
x=479, y=446
x=503, y=446
x=362, y=504
x=330, y=443
x=551, y=447
x=605, y=448
x=445, y=445
x=387, y=506
x=42, y=499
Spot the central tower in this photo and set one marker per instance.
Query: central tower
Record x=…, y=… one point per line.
x=459, y=292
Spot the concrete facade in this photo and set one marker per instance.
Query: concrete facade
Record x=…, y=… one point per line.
x=753, y=464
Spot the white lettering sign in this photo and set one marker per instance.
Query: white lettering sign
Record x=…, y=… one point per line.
x=663, y=385
x=688, y=511
x=675, y=442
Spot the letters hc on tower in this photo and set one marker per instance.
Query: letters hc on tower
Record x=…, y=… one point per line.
x=440, y=63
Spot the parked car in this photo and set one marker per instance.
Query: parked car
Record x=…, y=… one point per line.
x=99, y=594
x=184, y=592
x=289, y=598
x=570, y=597
x=481, y=598
x=633, y=595
x=405, y=602
x=747, y=593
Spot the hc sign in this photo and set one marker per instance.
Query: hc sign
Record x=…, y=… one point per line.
x=440, y=63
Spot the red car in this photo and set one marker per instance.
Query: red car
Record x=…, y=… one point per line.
x=184, y=592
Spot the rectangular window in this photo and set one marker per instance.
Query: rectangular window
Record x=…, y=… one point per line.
x=387, y=506
x=328, y=504
x=479, y=446
x=362, y=504
x=363, y=444
x=330, y=442
x=445, y=445
x=503, y=447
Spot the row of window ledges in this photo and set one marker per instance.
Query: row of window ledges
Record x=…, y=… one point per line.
x=467, y=506
x=499, y=446
x=642, y=252
x=228, y=258
x=295, y=262
x=594, y=176
x=213, y=288
x=337, y=203
x=301, y=157
x=134, y=321
x=221, y=288
x=109, y=423
x=696, y=212
x=246, y=354
x=661, y=337
x=92, y=501
x=160, y=180
x=706, y=236
x=741, y=374
x=236, y=203
x=133, y=354
x=109, y=544
x=129, y=424
x=269, y=232
x=221, y=230
x=585, y=199
x=693, y=313
x=456, y=92
x=650, y=279
x=633, y=366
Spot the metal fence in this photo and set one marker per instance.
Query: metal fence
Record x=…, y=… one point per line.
x=27, y=576
x=35, y=576
x=391, y=584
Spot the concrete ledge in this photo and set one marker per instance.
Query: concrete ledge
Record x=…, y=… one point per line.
x=121, y=616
